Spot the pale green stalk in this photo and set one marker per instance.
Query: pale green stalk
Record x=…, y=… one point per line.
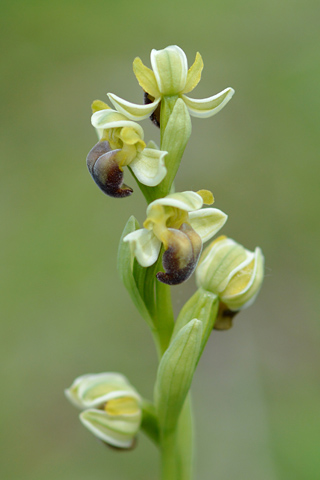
x=176, y=447
x=185, y=441
x=169, y=457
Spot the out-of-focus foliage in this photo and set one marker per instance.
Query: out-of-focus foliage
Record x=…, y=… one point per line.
x=64, y=309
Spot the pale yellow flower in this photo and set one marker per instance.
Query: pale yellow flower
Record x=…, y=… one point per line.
x=169, y=77
x=179, y=224
x=122, y=144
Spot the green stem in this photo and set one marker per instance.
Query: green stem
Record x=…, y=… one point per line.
x=158, y=297
x=170, y=467
x=149, y=193
x=177, y=448
x=165, y=318
x=185, y=441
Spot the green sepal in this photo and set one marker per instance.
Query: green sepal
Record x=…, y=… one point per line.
x=132, y=274
x=175, y=374
x=149, y=422
x=204, y=306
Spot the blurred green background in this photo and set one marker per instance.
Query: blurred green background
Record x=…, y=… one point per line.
x=65, y=312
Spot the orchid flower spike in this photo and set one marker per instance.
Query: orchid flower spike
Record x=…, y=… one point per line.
x=178, y=223
x=232, y=272
x=169, y=77
x=121, y=144
x=111, y=407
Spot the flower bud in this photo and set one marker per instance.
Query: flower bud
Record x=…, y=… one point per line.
x=232, y=272
x=111, y=407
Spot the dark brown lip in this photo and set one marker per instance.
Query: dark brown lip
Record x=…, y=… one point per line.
x=181, y=257
x=105, y=171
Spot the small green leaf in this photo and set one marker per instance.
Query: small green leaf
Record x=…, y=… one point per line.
x=204, y=306
x=175, y=374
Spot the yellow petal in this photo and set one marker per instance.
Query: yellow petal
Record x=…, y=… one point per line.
x=122, y=406
x=240, y=280
x=98, y=105
x=126, y=155
x=146, y=78
x=194, y=74
x=207, y=196
x=131, y=137
x=186, y=201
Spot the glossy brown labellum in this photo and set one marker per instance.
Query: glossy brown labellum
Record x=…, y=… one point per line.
x=105, y=171
x=181, y=257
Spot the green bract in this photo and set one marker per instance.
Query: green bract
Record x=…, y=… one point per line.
x=203, y=305
x=175, y=374
x=111, y=407
x=170, y=76
x=176, y=131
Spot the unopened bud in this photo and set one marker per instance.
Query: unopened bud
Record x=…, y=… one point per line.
x=232, y=272
x=111, y=407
